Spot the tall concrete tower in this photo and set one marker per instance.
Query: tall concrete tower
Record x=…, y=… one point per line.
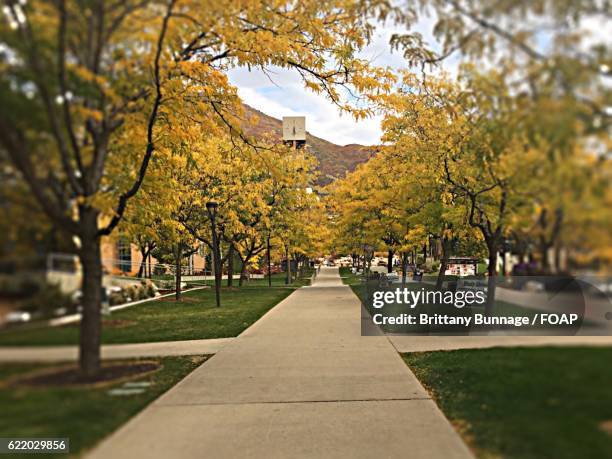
x=294, y=131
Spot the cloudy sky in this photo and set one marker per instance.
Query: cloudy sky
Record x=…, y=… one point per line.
x=282, y=94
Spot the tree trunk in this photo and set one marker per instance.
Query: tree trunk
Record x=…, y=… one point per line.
x=558, y=267
x=404, y=268
x=177, y=287
x=230, y=266
x=143, y=262
x=492, y=279
x=243, y=274
x=269, y=262
x=296, y=259
x=288, y=267
x=151, y=264
x=91, y=322
x=244, y=269
x=436, y=248
x=390, y=261
x=443, y=263
x=522, y=256
x=218, y=273
x=544, y=247
x=547, y=243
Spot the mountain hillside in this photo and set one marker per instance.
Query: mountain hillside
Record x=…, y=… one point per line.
x=334, y=160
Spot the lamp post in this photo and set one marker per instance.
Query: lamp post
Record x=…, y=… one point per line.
x=211, y=208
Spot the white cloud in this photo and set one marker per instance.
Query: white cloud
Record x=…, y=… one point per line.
x=286, y=96
x=280, y=92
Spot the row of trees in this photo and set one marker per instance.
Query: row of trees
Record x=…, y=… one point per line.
x=519, y=153
x=476, y=163
x=96, y=94
x=264, y=206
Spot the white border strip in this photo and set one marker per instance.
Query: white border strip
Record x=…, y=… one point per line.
x=76, y=317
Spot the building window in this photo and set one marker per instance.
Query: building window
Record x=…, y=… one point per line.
x=124, y=250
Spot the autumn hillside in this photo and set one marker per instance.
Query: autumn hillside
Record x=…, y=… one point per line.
x=334, y=160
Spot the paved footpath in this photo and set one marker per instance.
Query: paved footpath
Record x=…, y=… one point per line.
x=301, y=382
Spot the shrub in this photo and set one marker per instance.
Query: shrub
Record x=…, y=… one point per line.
x=46, y=300
x=129, y=293
x=165, y=284
x=141, y=292
x=149, y=288
x=116, y=298
x=29, y=286
x=21, y=286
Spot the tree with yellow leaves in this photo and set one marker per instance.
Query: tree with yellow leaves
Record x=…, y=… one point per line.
x=90, y=91
x=474, y=138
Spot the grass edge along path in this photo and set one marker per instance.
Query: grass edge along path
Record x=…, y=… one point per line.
x=195, y=317
x=523, y=403
x=83, y=414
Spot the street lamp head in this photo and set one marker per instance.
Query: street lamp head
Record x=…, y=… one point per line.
x=212, y=205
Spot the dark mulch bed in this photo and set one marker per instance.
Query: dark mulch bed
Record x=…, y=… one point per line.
x=71, y=376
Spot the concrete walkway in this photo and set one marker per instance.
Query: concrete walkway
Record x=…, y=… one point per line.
x=301, y=382
x=113, y=351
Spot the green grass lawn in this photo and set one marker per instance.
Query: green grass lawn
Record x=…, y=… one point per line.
x=348, y=277
x=502, y=308
x=84, y=415
x=524, y=402
x=195, y=317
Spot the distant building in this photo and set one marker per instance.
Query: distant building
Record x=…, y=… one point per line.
x=121, y=257
x=462, y=266
x=294, y=131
